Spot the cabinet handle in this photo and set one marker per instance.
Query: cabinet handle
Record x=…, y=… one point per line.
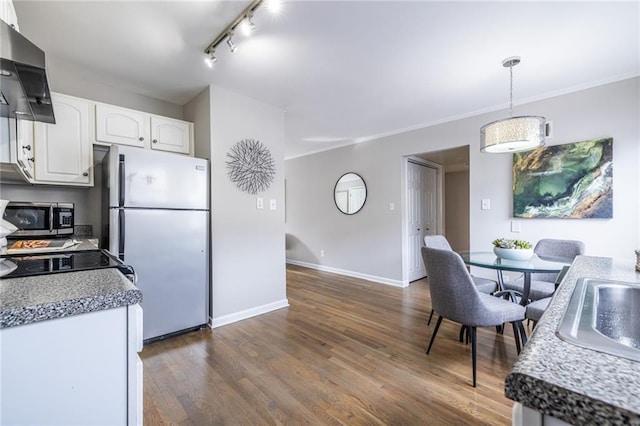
x=85, y=174
x=31, y=159
x=155, y=141
x=141, y=138
x=27, y=147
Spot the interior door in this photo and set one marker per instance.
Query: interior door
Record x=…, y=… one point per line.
x=356, y=198
x=422, y=213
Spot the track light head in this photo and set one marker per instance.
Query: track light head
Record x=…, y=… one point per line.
x=211, y=59
x=246, y=25
x=231, y=44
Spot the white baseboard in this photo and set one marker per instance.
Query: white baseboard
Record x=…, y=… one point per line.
x=248, y=313
x=381, y=280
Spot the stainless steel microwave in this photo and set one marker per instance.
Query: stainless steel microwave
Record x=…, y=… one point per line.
x=40, y=219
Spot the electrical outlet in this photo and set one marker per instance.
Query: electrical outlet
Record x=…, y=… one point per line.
x=259, y=203
x=392, y=207
x=515, y=226
x=272, y=204
x=321, y=253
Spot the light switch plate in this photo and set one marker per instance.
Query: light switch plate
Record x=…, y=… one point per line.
x=392, y=207
x=515, y=226
x=259, y=203
x=485, y=204
x=272, y=204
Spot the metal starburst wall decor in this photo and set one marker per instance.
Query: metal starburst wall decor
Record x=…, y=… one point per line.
x=250, y=166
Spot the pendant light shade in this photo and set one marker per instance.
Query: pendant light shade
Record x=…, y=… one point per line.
x=513, y=134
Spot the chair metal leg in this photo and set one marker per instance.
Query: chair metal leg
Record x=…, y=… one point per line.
x=435, y=331
x=523, y=333
x=464, y=332
x=500, y=281
x=473, y=353
x=516, y=336
x=430, y=316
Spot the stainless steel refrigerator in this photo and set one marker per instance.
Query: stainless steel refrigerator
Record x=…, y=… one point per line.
x=158, y=219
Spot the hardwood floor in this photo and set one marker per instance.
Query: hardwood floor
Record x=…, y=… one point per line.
x=347, y=351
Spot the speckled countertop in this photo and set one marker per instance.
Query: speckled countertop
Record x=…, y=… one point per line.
x=575, y=384
x=45, y=297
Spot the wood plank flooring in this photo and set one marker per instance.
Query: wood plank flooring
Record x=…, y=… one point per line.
x=347, y=351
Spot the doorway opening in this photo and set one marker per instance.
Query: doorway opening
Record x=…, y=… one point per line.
x=451, y=206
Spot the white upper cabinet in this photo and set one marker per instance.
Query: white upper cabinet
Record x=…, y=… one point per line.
x=63, y=151
x=121, y=126
x=168, y=134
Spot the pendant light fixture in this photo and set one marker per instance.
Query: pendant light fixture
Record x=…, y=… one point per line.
x=513, y=134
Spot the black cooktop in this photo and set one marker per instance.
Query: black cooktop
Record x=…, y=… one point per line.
x=51, y=263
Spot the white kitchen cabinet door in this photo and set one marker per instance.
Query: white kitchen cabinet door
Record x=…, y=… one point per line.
x=66, y=371
x=172, y=135
x=63, y=151
x=25, y=147
x=121, y=126
x=8, y=13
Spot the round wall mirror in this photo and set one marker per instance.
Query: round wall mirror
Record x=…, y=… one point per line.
x=350, y=193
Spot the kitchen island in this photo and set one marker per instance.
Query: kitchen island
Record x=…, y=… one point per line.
x=68, y=349
x=568, y=382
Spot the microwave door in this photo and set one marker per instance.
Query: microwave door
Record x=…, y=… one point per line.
x=31, y=219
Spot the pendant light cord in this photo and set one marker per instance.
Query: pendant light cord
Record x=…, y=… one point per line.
x=511, y=90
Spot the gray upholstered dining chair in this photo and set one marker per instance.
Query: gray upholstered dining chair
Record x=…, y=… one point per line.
x=544, y=285
x=535, y=309
x=454, y=296
x=484, y=285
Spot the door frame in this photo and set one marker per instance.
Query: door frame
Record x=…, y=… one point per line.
x=405, y=209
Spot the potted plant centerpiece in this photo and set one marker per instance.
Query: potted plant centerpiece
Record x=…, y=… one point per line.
x=512, y=249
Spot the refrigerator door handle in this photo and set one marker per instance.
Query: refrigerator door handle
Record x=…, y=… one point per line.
x=121, y=181
x=121, y=234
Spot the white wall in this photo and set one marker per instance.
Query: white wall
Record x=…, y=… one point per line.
x=248, y=259
x=198, y=112
x=370, y=242
x=456, y=207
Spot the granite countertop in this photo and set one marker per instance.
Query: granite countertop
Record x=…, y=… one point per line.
x=40, y=298
x=575, y=384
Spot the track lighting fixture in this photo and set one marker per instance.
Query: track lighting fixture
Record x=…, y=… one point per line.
x=244, y=21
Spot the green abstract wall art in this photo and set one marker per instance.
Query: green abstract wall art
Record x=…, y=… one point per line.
x=573, y=180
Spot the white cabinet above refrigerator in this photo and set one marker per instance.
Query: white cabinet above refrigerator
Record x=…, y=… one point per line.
x=124, y=126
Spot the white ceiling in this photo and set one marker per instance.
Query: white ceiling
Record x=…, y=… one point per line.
x=347, y=71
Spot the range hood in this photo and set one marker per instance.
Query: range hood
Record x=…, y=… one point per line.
x=24, y=91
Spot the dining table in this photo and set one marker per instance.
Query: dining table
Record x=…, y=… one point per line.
x=535, y=264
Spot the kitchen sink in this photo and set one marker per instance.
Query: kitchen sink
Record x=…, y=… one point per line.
x=604, y=315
